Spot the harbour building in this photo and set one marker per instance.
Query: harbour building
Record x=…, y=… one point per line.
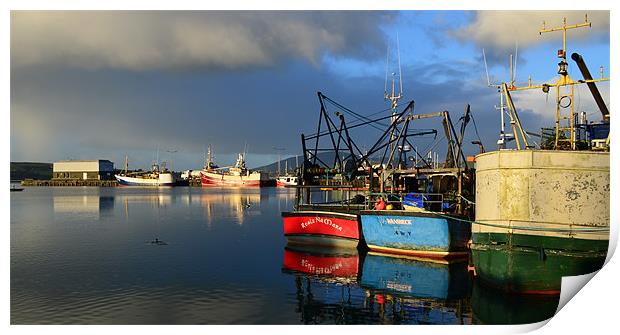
x=100, y=169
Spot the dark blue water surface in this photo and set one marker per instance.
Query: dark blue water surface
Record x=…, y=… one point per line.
x=82, y=255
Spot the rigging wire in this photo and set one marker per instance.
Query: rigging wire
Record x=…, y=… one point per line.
x=475, y=127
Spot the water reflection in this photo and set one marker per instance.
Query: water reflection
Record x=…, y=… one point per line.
x=491, y=306
x=334, y=266
x=346, y=287
x=416, y=277
x=232, y=205
x=417, y=290
x=239, y=272
x=217, y=205
x=85, y=206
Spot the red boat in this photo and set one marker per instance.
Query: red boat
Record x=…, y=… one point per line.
x=236, y=176
x=330, y=229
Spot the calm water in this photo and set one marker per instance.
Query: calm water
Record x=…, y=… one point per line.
x=82, y=256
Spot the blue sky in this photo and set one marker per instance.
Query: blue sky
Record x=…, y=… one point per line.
x=88, y=85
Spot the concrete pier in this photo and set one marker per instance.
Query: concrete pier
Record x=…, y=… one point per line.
x=69, y=182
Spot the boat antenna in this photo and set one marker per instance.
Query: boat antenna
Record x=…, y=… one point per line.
x=387, y=62
x=393, y=97
x=209, y=158
x=514, y=76
x=503, y=137
x=486, y=69
x=400, y=73
x=157, y=159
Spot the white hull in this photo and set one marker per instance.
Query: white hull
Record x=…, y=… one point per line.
x=163, y=179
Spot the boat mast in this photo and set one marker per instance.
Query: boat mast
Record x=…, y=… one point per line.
x=393, y=97
x=209, y=161
x=503, y=137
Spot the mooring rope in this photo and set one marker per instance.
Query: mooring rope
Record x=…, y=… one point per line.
x=572, y=229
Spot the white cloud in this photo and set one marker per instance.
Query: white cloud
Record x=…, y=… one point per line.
x=501, y=29
x=153, y=40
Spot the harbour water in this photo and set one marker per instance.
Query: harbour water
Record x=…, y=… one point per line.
x=83, y=255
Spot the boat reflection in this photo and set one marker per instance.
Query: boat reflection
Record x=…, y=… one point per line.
x=496, y=307
x=412, y=290
x=416, y=277
x=344, y=286
x=325, y=283
x=233, y=205
x=334, y=265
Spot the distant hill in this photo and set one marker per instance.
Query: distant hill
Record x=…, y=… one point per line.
x=327, y=157
x=273, y=167
x=25, y=170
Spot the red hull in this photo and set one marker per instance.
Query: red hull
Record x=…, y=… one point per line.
x=321, y=224
x=336, y=265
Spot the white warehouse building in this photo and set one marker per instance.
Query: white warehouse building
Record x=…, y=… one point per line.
x=100, y=169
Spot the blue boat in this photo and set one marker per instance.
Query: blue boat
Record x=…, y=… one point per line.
x=413, y=233
x=406, y=276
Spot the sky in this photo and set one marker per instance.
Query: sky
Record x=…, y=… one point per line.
x=148, y=84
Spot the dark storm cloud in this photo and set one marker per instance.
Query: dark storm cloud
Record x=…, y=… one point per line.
x=208, y=39
x=64, y=107
x=81, y=113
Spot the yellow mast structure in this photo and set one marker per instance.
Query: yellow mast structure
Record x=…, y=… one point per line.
x=564, y=87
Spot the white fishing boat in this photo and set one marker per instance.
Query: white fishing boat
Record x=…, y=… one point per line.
x=289, y=178
x=158, y=176
x=283, y=181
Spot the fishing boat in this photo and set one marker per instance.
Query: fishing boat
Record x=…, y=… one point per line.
x=289, y=178
x=431, y=214
x=415, y=233
x=284, y=181
x=158, y=176
x=236, y=176
x=543, y=213
x=353, y=180
x=330, y=229
x=16, y=189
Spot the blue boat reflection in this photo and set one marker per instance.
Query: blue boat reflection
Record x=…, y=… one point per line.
x=416, y=277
